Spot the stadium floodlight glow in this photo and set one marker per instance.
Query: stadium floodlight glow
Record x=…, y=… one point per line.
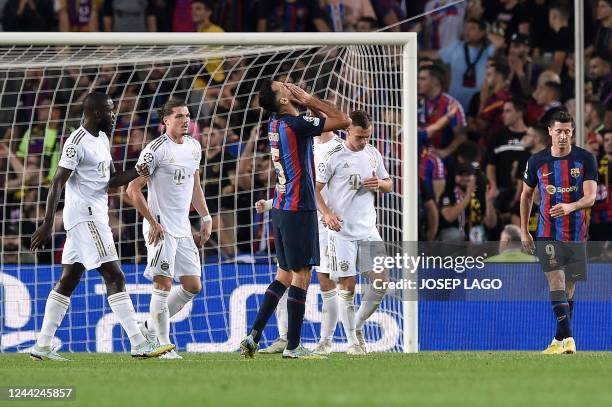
x=44, y=77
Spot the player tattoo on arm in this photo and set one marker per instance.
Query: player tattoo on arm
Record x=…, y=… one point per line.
x=118, y=179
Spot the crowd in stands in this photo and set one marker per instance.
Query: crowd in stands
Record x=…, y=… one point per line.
x=490, y=73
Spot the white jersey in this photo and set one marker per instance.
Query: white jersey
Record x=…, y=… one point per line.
x=170, y=188
x=87, y=188
x=344, y=172
x=321, y=153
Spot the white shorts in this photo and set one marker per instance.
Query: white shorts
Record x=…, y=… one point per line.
x=173, y=257
x=323, y=266
x=90, y=243
x=348, y=257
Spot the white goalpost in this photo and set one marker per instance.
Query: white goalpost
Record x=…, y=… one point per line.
x=43, y=80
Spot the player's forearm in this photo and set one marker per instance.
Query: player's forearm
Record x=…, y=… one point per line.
x=385, y=185
x=321, y=205
x=331, y=111
x=584, y=203
x=199, y=202
x=140, y=203
x=53, y=199
x=525, y=209
x=121, y=178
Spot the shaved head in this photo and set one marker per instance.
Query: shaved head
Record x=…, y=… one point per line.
x=98, y=110
x=95, y=101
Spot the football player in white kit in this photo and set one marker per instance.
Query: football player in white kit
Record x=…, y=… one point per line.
x=173, y=161
x=353, y=174
x=323, y=145
x=87, y=171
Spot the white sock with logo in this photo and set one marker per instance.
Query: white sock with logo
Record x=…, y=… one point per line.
x=160, y=315
x=330, y=314
x=55, y=309
x=370, y=301
x=347, y=315
x=122, y=306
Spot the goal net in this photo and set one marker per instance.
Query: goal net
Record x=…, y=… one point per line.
x=41, y=90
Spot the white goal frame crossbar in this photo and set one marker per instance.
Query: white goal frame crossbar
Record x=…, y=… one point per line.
x=408, y=42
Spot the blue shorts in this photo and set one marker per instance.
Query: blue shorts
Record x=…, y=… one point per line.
x=567, y=256
x=296, y=238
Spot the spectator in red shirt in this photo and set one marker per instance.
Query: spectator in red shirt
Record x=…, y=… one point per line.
x=434, y=104
x=493, y=94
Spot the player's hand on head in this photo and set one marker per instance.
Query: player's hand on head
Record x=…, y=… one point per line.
x=561, y=209
x=300, y=95
x=156, y=233
x=40, y=236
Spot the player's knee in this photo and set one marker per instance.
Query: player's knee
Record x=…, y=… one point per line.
x=284, y=276
x=115, y=281
x=301, y=278
x=67, y=284
x=194, y=287
x=347, y=284
x=325, y=282
x=162, y=283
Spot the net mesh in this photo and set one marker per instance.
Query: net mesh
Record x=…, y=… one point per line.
x=40, y=104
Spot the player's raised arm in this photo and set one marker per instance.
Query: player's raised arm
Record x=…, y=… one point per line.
x=41, y=235
x=336, y=119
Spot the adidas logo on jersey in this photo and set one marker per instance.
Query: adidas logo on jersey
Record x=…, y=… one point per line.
x=345, y=165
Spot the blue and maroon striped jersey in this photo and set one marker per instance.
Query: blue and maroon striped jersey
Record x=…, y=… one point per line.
x=559, y=180
x=292, y=155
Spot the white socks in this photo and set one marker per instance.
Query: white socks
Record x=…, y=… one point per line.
x=55, y=309
x=282, y=318
x=160, y=315
x=177, y=299
x=122, y=306
x=347, y=315
x=330, y=314
x=369, y=303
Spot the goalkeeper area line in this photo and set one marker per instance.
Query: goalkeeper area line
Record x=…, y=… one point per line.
x=379, y=379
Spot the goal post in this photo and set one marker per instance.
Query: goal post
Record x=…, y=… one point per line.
x=43, y=77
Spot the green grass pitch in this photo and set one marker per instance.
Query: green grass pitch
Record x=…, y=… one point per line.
x=424, y=379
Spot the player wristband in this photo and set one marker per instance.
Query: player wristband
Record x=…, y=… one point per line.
x=206, y=218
